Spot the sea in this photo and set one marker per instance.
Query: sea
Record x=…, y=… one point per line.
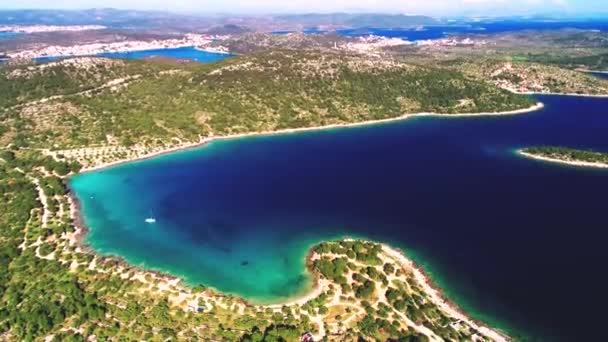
x=468, y=27
x=410, y=34
x=517, y=243
x=602, y=74
x=7, y=34
x=188, y=52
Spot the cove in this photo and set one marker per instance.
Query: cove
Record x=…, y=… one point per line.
x=188, y=52
x=515, y=242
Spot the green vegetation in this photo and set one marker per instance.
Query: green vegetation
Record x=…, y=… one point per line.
x=273, y=333
x=51, y=287
x=384, y=292
x=36, y=295
x=156, y=103
x=530, y=77
x=568, y=154
x=598, y=62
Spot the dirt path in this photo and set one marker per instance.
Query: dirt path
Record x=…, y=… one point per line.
x=43, y=199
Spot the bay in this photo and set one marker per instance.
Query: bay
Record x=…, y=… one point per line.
x=517, y=243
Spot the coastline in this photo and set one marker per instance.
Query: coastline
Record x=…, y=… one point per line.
x=593, y=71
x=319, y=285
x=77, y=219
x=564, y=94
x=562, y=161
x=101, y=53
x=199, y=42
x=76, y=239
x=437, y=296
x=537, y=106
x=205, y=141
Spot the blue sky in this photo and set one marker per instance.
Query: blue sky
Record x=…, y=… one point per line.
x=438, y=7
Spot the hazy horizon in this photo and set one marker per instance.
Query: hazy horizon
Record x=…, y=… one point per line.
x=490, y=8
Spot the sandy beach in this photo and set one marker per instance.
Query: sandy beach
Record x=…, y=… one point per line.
x=321, y=285
x=561, y=161
x=537, y=106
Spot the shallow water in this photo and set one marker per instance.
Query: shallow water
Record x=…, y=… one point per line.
x=7, y=34
x=516, y=242
x=178, y=53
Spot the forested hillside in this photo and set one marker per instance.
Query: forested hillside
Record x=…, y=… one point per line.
x=55, y=115
x=91, y=101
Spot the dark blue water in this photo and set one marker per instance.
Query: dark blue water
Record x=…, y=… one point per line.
x=307, y=31
x=517, y=242
x=190, y=53
x=601, y=74
x=464, y=27
x=441, y=31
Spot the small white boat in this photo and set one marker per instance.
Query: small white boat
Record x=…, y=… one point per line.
x=151, y=218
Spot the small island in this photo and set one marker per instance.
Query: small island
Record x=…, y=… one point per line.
x=568, y=156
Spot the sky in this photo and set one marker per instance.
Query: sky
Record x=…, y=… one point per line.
x=428, y=7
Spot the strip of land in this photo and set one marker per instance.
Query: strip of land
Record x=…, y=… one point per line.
x=438, y=298
x=201, y=42
x=568, y=156
x=150, y=154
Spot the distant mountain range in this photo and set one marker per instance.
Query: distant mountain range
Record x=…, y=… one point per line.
x=157, y=22
x=359, y=20
x=219, y=23
x=103, y=16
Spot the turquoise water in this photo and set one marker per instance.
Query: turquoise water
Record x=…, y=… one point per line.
x=6, y=34
x=249, y=264
x=190, y=53
x=492, y=228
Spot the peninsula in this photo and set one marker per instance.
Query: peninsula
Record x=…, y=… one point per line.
x=62, y=118
x=564, y=155
x=262, y=92
x=362, y=288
